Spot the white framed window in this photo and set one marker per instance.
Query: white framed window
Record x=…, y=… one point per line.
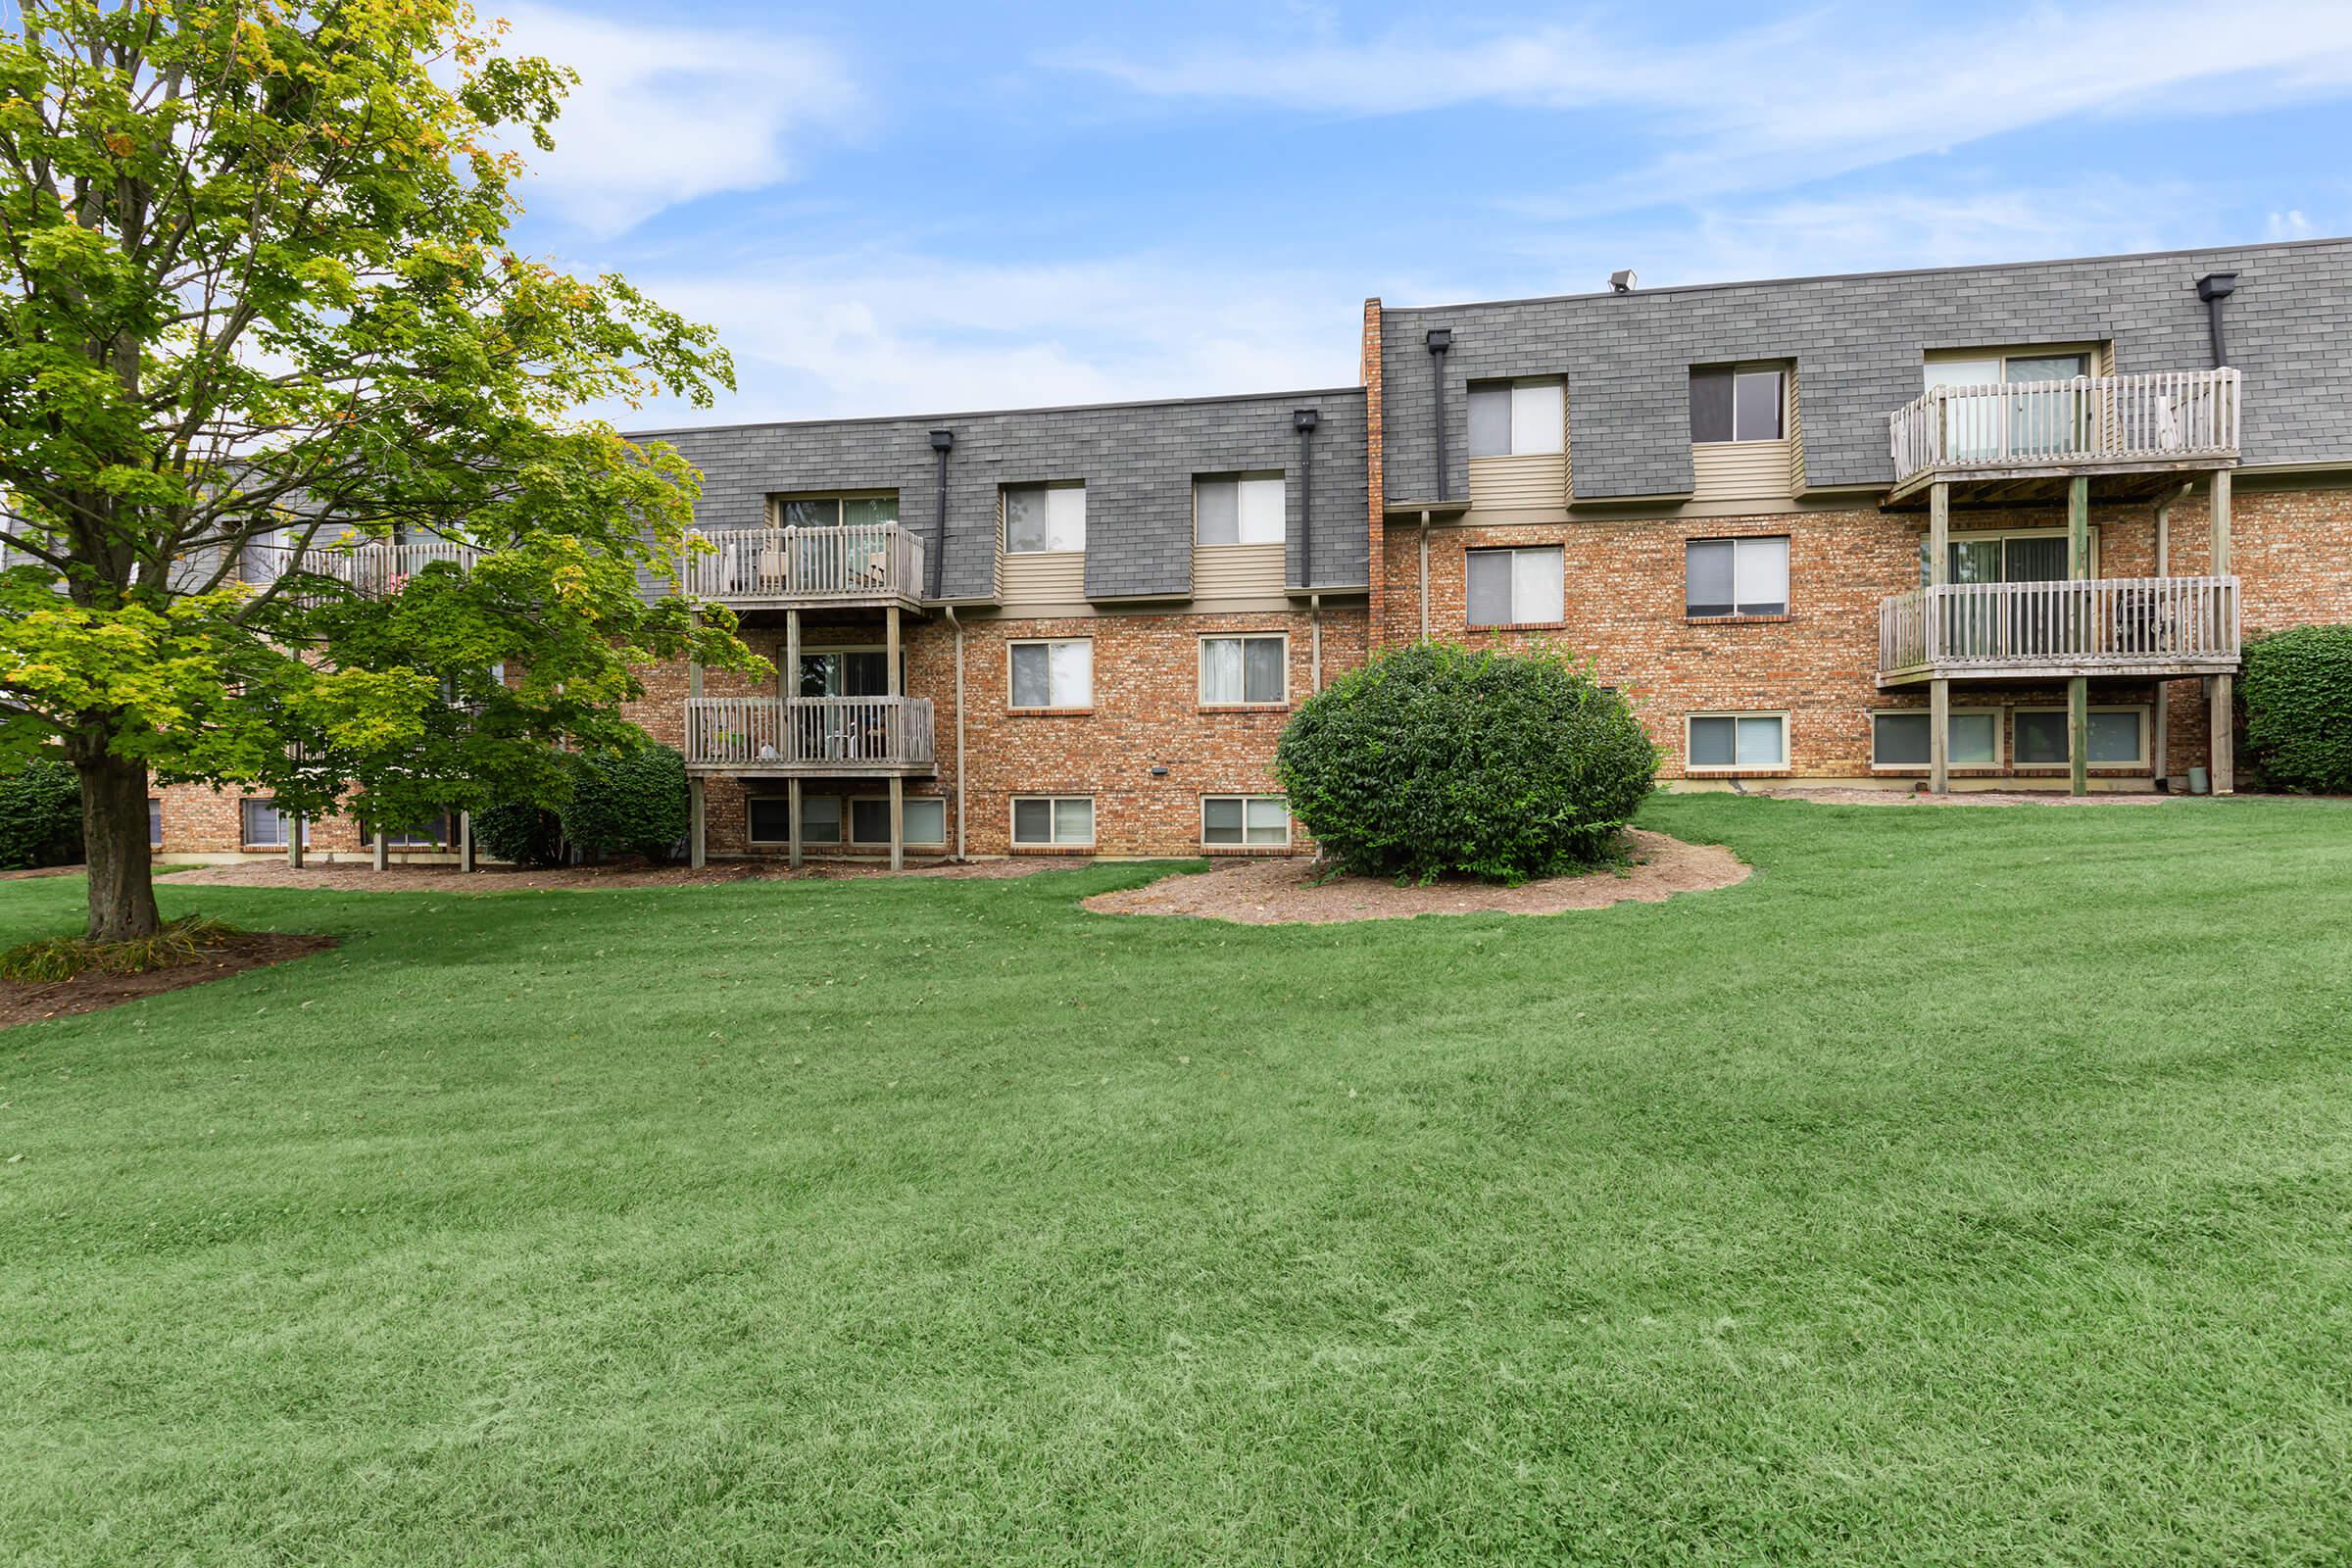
x=1899, y=737
x=1248, y=670
x=1056, y=673
x=1736, y=739
x=1520, y=587
x=2007, y=555
x=1518, y=419
x=1736, y=577
x=2117, y=737
x=1246, y=820
x=1240, y=510
x=1044, y=517
x=1054, y=821
x=262, y=825
x=1738, y=403
x=924, y=820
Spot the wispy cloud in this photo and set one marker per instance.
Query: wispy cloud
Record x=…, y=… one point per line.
x=1826, y=92
x=666, y=114
x=897, y=333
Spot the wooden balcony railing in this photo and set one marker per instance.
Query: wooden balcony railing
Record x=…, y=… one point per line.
x=374, y=568
x=811, y=734
x=2103, y=625
x=861, y=563
x=2055, y=427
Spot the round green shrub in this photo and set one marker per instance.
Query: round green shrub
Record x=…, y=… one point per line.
x=520, y=832
x=628, y=802
x=2298, y=695
x=40, y=816
x=1434, y=759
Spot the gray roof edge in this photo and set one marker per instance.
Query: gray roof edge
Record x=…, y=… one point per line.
x=2243, y=248
x=994, y=414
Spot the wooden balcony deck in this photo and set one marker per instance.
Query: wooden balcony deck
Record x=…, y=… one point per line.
x=832, y=737
x=2152, y=626
x=374, y=568
x=2022, y=440
x=877, y=565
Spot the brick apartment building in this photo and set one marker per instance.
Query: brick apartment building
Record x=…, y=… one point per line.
x=1961, y=528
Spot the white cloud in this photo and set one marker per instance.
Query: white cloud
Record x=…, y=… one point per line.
x=2290, y=225
x=1824, y=93
x=895, y=334
x=665, y=114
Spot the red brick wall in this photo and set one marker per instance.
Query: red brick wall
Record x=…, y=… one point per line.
x=1623, y=608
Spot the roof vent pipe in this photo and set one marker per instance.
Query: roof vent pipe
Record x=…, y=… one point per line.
x=1441, y=338
x=2213, y=288
x=942, y=443
x=1305, y=420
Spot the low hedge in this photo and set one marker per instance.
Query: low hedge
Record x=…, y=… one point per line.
x=40, y=816
x=2298, y=695
x=628, y=802
x=1434, y=759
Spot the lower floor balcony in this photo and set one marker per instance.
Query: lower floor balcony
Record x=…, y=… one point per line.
x=2156, y=627
x=840, y=737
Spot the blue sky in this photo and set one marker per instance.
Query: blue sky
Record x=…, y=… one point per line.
x=915, y=208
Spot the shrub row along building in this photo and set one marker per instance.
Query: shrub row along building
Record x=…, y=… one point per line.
x=1963, y=527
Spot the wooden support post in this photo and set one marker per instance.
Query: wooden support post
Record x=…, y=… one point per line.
x=2078, y=529
x=2078, y=732
x=696, y=823
x=898, y=821
x=1939, y=534
x=890, y=643
x=2160, y=744
x=792, y=832
x=1939, y=737
x=2224, y=720
x=2219, y=567
x=465, y=841
x=788, y=673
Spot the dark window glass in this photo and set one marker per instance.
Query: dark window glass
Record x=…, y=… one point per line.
x=1901, y=740
x=771, y=818
x=1490, y=421
x=1710, y=405
x=870, y=822
x=2041, y=740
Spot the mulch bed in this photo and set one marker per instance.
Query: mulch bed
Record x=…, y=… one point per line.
x=1284, y=891
x=91, y=991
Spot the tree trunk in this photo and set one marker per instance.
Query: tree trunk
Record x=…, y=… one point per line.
x=114, y=835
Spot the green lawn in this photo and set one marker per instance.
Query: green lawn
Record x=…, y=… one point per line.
x=1970, y=1186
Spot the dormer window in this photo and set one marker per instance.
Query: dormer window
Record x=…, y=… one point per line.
x=1517, y=418
x=1044, y=517
x=1738, y=403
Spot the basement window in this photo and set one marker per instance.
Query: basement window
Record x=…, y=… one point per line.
x=1899, y=739
x=1738, y=740
x=1064, y=821
x=1259, y=821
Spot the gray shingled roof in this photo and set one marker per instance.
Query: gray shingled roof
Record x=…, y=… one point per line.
x=1857, y=342
x=1137, y=461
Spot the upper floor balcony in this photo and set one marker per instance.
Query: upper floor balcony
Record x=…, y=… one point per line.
x=877, y=565
x=373, y=567
x=2145, y=627
x=835, y=737
x=2020, y=439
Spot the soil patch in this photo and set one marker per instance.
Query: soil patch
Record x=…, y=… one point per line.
x=1285, y=892
x=91, y=991
x=1831, y=795
x=344, y=877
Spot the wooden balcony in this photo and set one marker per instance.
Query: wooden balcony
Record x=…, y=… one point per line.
x=2023, y=440
x=835, y=737
x=2149, y=626
x=374, y=568
x=795, y=568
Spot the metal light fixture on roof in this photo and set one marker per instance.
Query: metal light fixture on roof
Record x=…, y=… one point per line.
x=1623, y=280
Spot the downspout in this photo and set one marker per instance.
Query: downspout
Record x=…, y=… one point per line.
x=1425, y=577
x=962, y=849
x=2213, y=288
x=1441, y=338
x=942, y=443
x=1305, y=420
x=1314, y=621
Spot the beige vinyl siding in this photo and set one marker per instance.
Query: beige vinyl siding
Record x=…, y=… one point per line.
x=1237, y=571
x=1796, y=428
x=1042, y=579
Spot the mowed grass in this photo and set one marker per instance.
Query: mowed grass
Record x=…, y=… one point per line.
x=1969, y=1185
